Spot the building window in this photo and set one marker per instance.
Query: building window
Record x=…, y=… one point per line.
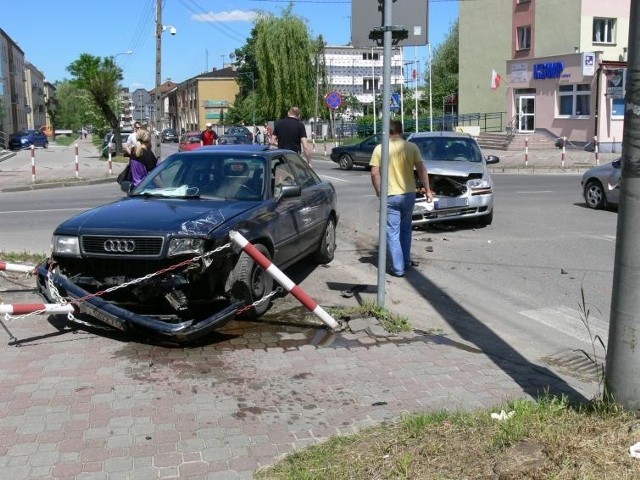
x=524, y=37
x=604, y=30
x=574, y=100
x=370, y=56
x=368, y=85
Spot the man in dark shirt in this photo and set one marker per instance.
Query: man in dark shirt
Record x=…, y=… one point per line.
x=290, y=133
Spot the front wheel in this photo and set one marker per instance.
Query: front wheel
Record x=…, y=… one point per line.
x=327, y=248
x=248, y=283
x=345, y=161
x=594, y=195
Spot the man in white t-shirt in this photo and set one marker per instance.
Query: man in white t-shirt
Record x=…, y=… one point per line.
x=131, y=140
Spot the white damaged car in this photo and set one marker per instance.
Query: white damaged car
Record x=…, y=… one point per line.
x=459, y=179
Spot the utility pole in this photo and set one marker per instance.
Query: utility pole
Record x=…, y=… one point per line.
x=158, y=74
x=622, y=379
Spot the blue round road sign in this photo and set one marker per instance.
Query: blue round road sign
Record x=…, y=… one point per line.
x=333, y=100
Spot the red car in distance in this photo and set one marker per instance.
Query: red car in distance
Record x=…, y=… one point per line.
x=189, y=141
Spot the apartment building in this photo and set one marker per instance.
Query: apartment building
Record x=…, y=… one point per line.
x=358, y=72
x=561, y=65
x=13, y=104
x=34, y=97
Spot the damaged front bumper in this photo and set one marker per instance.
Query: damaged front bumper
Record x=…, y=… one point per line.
x=121, y=319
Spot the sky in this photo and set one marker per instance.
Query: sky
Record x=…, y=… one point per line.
x=207, y=31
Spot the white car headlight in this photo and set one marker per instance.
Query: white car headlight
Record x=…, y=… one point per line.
x=65, y=245
x=182, y=246
x=478, y=184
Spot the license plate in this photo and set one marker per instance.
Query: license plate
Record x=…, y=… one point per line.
x=450, y=202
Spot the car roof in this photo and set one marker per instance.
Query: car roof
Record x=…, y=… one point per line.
x=441, y=134
x=242, y=148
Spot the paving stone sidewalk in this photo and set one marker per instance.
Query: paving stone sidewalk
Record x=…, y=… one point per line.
x=87, y=403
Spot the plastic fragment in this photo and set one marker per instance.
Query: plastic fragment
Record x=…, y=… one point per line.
x=503, y=415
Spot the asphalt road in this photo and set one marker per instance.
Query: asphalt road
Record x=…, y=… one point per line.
x=513, y=287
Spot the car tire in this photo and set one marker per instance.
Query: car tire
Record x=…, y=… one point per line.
x=327, y=248
x=594, y=195
x=46, y=145
x=249, y=282
x=486, y=220
x=345, y=161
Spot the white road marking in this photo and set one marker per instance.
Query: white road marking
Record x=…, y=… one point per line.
x=534, y=191
x=48, y=210
x=607, y=238
x=567, y=320
x=335, y=178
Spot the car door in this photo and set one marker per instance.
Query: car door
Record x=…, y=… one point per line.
x=363, y=155
x=286, y=224
x=314, y=212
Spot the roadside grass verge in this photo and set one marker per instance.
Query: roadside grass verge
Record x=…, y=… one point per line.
x=547, y=438
x=24, y=257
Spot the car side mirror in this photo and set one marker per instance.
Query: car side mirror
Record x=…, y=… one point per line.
x=492, y=159
x=290, y=191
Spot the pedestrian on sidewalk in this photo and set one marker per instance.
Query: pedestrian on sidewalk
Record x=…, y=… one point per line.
x=290, y=133
x=404, y=157
x=142, y=159
x=208, y=136
x=132, y=139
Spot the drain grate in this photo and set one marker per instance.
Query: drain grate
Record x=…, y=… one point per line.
x=576, y=364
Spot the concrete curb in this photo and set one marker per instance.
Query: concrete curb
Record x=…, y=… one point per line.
x=58, y=184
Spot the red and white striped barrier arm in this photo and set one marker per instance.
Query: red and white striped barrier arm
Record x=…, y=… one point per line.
x=14, y=267
x=283, y=280
x=27, y=308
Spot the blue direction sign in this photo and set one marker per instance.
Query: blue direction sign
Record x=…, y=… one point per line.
x=395, y=102
x=333, y=100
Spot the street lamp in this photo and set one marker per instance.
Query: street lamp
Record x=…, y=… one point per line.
x=159, y=29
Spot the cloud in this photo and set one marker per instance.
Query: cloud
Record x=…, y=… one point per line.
x=232, y=16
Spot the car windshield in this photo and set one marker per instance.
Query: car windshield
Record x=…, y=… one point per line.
x=454, y=149
x=223, y=175
x=195, y=138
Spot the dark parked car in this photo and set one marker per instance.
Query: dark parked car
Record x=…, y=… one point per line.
x=160, y=261
x=26, y=138
x=240, y=130
x=355, y=154
x=169, y=135
x=228, y=139
x=458, y=177
x=601, y=185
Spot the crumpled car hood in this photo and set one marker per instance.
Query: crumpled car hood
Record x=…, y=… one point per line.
x=156, y=215
x=454, y=168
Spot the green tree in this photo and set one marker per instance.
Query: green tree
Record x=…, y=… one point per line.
x=100, y=78
x=72, y=108
x=283, y=52
x=444, y=74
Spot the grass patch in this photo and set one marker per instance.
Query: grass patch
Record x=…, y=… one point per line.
x=65, y=140
x=549, y=438
x=391, y=322
x=24, y=257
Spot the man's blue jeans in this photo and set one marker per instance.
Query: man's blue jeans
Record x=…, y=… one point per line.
x=399, y=210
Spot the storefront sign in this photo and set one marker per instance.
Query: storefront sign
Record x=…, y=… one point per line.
x=518, y=73
x=615, y=83
x=547, y=70
x=588, y=64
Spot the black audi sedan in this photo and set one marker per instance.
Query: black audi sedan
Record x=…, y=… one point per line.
x=160, y=261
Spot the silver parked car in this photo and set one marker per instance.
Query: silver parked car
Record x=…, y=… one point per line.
x=459, y=178
x=601, y=184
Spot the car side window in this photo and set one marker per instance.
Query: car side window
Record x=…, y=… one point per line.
x=281, y=174
x=304, y=176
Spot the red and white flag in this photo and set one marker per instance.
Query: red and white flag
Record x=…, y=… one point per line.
x=495, y=79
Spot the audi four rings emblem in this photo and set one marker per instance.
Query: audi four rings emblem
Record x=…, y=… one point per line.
x=119, y=246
